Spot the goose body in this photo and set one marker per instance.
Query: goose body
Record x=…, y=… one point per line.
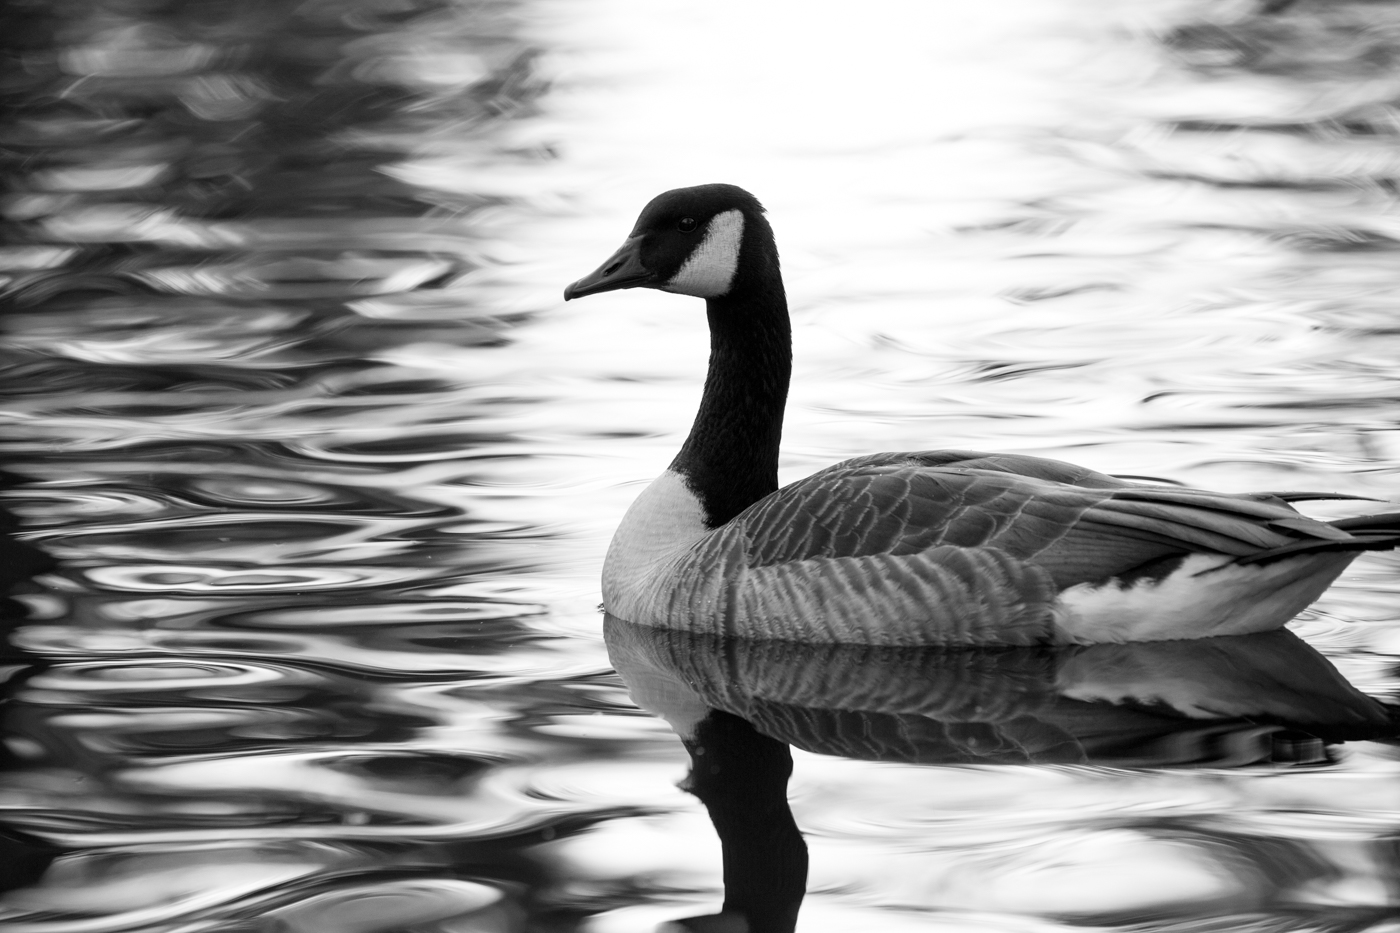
x=937, y=547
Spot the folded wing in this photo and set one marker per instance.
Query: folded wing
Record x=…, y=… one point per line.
x=962, y=548
x=1076, y=525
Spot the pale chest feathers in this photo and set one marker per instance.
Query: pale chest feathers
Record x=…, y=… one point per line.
x=666, y=519
x=709, y=271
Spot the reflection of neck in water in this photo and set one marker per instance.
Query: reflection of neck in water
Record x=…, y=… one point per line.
x=741, y=777
x=23, y=857
x=736, y=704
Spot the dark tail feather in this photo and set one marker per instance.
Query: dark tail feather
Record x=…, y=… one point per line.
x=1368, y=533
x=1386, y=521
x=1314, y=497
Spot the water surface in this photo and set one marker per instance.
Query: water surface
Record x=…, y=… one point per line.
x=327, y=467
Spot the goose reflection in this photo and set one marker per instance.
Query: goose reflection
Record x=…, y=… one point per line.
x=737, y=705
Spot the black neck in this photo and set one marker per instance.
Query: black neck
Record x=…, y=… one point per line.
x=730, y=459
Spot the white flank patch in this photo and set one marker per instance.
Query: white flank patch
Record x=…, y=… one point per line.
x=666, y=519
x=709, y=271
x=1208, y=595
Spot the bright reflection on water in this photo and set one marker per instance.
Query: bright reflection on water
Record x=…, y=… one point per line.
x=328, y=468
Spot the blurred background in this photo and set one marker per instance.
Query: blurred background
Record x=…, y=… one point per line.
x=309, y=470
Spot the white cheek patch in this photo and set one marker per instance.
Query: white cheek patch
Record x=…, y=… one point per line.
x=709, y=271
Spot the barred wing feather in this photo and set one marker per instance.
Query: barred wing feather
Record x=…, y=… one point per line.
x=1078, y=525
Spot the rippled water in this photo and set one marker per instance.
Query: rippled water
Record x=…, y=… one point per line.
x=312, y=470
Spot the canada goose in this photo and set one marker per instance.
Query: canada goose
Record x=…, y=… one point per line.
x=949, y=547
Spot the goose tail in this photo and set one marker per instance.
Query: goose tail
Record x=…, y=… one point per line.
x=1365, y=533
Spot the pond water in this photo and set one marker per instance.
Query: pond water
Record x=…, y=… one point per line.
x=311, y=470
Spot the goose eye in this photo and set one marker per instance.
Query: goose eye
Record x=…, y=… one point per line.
x=686, y=224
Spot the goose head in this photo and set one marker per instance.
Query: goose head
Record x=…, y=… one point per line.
x=712, y=242
x=709, y=241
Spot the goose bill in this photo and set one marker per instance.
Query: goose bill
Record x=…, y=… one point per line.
x=623, y=269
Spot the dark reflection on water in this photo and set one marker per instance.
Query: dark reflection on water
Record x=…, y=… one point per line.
x=1215, y=701
x=23, y=857
x=1256, y=700
x=741, y=776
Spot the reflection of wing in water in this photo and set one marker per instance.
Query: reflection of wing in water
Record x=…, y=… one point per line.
x=1208, y=702
x=1217, y=701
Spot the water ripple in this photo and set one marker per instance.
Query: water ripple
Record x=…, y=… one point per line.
x=196, y=579
x=329, y=468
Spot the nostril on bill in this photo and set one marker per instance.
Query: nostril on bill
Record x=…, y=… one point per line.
x=612, y=268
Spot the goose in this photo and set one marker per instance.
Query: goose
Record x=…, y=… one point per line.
x=928, y=547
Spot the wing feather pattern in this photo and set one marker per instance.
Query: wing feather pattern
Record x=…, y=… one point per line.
x=945, y=595
x=1082, y=526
